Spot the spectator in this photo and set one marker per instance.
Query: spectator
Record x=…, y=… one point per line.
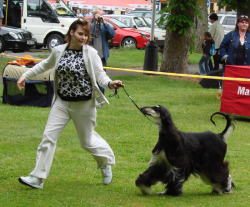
x=76, y=67
x=126, y=11
x=88, y=14
x=234, y=48
x=101, y=32
x=206, y=53
x=217, y=32
x=78, y=13
x=1, y=18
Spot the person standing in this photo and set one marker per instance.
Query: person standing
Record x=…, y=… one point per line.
x=88, y=14
x=126, y=11
x=1, y=18
x=78, y=13
x=217, y=32
x=206, y=53
x=234, y=48
x=101, y=32
x=76, y=68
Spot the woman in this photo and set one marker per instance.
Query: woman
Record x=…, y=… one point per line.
x=235, y=47
x=76, y=68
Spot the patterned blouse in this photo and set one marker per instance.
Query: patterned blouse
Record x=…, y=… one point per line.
x=75, y=84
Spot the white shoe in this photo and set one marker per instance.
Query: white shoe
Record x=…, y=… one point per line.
x=32, y=181
x=107, y=175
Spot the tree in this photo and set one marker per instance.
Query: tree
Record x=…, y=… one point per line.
x=200, y=25
x=242, y=6
x=179, y=31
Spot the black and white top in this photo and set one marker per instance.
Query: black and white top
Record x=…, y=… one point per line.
x=75, y=84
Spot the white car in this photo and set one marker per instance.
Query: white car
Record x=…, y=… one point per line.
x=140, y=23
x=228, y=21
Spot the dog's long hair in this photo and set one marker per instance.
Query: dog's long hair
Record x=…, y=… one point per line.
x=177, y=155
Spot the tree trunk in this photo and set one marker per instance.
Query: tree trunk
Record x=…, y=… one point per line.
x=176, y=49
x=175, y=53
x=200, y=25
x=243, y=11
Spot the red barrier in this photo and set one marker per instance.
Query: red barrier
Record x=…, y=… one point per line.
x=236, y=94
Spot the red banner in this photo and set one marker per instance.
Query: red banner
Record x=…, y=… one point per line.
x=236, y=94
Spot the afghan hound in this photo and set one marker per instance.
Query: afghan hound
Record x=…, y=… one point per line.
x=178, y=154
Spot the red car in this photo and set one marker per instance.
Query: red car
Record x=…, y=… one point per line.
x=126, y=36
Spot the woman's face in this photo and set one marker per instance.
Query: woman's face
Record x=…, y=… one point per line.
x=78, y=38
x=243, y=25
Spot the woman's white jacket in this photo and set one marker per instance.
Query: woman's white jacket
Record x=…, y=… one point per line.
x=93, y=65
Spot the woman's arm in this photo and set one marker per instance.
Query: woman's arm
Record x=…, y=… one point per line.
x=101, y=77
x=224, y=45
x=42, y=66
x=36, y=70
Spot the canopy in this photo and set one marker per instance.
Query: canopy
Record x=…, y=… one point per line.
x=142, y=4
x=112, y=5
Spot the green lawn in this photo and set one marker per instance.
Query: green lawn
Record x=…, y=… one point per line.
x=119, y=58
x=74, y=179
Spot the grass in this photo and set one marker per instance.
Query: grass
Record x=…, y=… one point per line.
x=74, y=179
x=194, y=58
x=3, y=62
x=119, y=58
x=42, y=56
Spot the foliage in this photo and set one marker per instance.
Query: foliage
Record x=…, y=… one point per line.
x=192, y=45
x=177, y=15
x=74, y=179
x=234, y=3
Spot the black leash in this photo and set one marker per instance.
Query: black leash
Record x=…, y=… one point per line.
x=115, y=94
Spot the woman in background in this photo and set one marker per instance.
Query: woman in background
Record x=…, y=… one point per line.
x=235, y=47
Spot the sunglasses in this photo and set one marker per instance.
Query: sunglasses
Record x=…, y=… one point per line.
x=244, y=16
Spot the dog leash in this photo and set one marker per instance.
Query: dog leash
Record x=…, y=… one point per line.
x=115, y=94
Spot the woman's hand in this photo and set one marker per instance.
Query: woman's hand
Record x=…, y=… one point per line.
x=205, y=55
x=21, y=83
x=116, y=84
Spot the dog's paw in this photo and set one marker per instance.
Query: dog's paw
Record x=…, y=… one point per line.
x=230, y=185
x=145, y=190
x=230, y=191
x=162, y=193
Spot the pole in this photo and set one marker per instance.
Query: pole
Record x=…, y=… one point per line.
x=151, y=49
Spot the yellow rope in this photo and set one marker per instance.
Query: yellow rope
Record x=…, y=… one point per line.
x=150, y=72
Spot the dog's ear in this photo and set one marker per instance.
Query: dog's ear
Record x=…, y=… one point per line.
x=164, y=113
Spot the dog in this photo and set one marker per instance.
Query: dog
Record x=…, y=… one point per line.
x=178, y=154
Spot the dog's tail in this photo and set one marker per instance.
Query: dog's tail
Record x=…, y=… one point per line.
x=229, y=127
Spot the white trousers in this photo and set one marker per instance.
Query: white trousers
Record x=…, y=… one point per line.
x=83, y=114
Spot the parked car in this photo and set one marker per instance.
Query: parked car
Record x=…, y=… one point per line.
x=16, y=39
x=141, y=24
x=126, y=36
x=144, y=13
x=228, y=21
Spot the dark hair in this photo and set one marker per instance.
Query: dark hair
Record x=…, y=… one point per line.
x=208, y=34
x=80, y=22
x=242, y=19
x=213, y=16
